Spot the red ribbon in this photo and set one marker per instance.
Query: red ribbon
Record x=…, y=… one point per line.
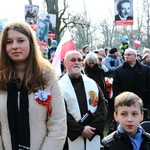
x=46, y=103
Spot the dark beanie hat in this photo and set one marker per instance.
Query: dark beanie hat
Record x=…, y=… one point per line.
x=113, y=50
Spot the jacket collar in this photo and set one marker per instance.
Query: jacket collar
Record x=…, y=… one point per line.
x=126, y=65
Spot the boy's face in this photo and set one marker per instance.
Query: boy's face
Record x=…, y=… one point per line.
x=129, y=118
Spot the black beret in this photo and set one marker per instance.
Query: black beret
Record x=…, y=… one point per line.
x=113, y=50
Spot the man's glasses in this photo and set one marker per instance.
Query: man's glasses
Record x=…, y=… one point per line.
x=74, y=60
x=128, y=54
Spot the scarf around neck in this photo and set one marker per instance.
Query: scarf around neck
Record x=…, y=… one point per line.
x=18, y=117
x=137, y=140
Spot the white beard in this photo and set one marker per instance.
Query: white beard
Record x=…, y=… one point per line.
x=76, y=70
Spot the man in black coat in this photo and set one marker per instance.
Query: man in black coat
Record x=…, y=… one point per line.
x=132, y=76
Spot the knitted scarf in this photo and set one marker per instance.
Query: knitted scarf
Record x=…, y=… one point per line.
x=18, y=117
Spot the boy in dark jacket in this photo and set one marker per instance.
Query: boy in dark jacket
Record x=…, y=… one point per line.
x=129, y=134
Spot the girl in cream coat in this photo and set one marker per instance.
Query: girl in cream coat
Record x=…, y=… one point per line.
x=32, y=110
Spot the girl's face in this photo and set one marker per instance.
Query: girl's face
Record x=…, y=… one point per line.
x=129, y=118
x=17, y=46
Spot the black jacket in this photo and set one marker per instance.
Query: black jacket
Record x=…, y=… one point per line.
x=100, y=115
x=117, y=18
x=121, y=141
x=136, y=80
x=97, y=74
x=51, y=50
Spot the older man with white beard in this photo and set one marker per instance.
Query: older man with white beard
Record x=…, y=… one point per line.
x=76, y=89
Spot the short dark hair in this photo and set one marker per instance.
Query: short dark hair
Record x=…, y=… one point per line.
x=47, y=16
x=127, y=99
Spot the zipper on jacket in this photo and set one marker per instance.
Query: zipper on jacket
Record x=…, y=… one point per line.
x=18, y=101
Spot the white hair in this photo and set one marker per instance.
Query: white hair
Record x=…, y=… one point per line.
x=91, y=57
x=131, y=50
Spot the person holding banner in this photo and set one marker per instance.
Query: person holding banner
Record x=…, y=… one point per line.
x=32, y=109
x=85, y=133
x=123, y=8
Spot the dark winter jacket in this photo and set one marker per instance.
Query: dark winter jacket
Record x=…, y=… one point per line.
x=117, y=18
x=97, y=74
x=136, y=80
x=51, y=50
x=121, y=141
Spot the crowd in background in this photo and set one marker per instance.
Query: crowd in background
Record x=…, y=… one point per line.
x=101, y=63
x=115, y=70
x=40, y=111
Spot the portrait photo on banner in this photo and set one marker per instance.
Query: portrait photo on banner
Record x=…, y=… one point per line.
x=123, y=12
x=51, y=18
x=42, y=31
x=31, y=13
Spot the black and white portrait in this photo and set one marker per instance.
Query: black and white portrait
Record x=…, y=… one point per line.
x=51, y=18
x=123, y=10
x=42, y=30
x=31, y=13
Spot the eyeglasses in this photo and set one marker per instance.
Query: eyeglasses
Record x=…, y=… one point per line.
x=74, y=60
x=128, y=54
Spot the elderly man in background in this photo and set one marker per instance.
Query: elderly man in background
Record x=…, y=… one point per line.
x=133, y=76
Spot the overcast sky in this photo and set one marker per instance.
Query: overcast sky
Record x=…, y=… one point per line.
x=96, y=8
x=15, y=8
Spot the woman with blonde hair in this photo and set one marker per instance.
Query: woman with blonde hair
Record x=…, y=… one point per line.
x=32, y=110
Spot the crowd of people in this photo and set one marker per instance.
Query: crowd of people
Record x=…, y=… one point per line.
x=41, y=111
x=32, y=108
x=128, y=72
x=115, y=71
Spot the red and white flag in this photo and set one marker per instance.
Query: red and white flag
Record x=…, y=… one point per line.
x=137, y=43
x=66, y=44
